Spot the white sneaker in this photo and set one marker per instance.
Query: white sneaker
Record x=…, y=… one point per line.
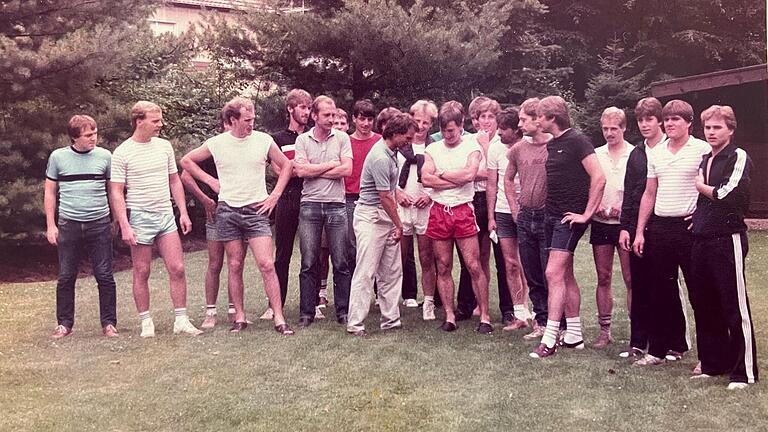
x=319, y=313
x=183, y=325
x=268, y=314
x=737, y=386
x=411, y=303
x=428, y=312
x=147, y=328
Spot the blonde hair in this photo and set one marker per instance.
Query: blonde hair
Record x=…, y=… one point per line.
x=724, y=112
x=140, y=110
x=425, y=106
x=615, y=114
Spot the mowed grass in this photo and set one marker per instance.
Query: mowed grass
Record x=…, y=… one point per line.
x=321, y=379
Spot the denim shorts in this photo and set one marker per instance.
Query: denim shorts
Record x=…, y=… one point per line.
x=150, y=225
x=505, y=225
x=562, y=236
x=240, y=223
x=211, y=233
x=604, y=234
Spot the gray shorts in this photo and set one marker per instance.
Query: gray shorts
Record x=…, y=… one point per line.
x=505, y=225
x=211, y=233
x=240, y=223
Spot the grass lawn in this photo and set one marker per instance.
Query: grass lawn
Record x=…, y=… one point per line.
x=418, y=378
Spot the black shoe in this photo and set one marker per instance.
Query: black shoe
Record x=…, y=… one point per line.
x=342, y=320
x=507, y=318
x=448, y=326
x=484, y=328
x=305, y=321
x=463, y=316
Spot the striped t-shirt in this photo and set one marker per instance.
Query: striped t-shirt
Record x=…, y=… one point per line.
x=676, y=174
x=144, y=168
x=82, y=179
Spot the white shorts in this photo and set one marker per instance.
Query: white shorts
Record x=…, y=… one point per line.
x=414, y=219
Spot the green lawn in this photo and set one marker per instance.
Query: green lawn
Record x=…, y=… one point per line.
x=418, y=379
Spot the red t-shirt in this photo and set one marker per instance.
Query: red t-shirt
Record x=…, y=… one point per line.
x=360, y=149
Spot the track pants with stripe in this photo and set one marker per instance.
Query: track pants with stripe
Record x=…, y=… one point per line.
x=668, y=250
x=725, y=336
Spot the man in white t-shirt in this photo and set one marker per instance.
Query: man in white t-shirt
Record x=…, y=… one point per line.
x=662, y=230
x=450, y=167
x=144, y=176
x=244, y=206
x=414, y=204
x=604, y=235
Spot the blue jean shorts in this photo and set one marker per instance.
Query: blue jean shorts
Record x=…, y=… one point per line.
x=562, y=236
x=240, y=223
x=505, y=225
x=211, y=234
x=150, y=225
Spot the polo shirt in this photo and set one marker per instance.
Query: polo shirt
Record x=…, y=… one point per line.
x=379, y=174
x=335, y=146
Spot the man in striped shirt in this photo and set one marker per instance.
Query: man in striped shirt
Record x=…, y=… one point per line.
x=144, y=176
x=668, y=201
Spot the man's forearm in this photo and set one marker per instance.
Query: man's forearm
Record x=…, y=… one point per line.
x=195, y=172
x=119, y=210
x=390, y=207
x=435, y=182
x=596, y=188
x=310, y=170
x=646, y=207
x=459, y=177
x=191, y=185
x=177, y=192
x=49, y=203
x=286, y=173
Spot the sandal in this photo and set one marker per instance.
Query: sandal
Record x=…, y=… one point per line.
x=284, y=329
x=238, y=326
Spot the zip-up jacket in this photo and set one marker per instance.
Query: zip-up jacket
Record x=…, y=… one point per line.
x=634, y=186
x=730, y=176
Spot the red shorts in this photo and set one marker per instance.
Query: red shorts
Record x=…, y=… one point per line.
x=447, y=223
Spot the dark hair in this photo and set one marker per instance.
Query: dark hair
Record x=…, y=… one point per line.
x=363, y=107
x=384, y=116
x=399, y=124
x=451, y=111
x=680, y=108
x=556, y=108
x=77, y=123
x=648, y=107
x=508, y=118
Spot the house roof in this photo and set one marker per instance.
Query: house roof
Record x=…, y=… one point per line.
x=220, y=4
x=710, y=80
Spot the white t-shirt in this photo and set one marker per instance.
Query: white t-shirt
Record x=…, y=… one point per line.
x=449, y=159
x=614, y=171
x=240, y=163
x=144, y=168
x=481, y=185
x=498, y=161
x=676, y=173
x=412, y=187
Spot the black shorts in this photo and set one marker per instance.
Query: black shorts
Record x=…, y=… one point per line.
x=562, y=236
x=604, y=234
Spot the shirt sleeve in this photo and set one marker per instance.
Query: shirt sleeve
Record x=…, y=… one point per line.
x=300, y=149
x=345, y=147
x=172, y=168
x=52, y=170
x=118, y=166
x=651, y=164
x=494, y=153
x=108, y=170
x=380, y=173
x=584, y=148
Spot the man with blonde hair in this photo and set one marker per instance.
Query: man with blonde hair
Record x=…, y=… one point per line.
x=414, y=203
x=725, y=336
x=79, y=176
x=144, y=177
x=241, y=156
x=575, y=185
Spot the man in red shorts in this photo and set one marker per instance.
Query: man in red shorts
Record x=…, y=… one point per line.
x=450, y=167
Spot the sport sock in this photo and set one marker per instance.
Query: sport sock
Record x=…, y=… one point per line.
x=550, y=333
x=573, y=330
x=605, y=322
x=210, y=310
x=144, y=315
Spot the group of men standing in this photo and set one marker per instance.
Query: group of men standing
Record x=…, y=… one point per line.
x=526, y=185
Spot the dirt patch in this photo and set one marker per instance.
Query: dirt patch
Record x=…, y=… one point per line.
x=40, y=262
x=757, y=224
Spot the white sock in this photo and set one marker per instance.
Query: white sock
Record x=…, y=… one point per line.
x=521, y=312
x=144, y=315
x=429, y=299
x=231, y=308
x=323, y=290
x=573, y=330
x=550, y=333
x=210, y=310
x=180, y=313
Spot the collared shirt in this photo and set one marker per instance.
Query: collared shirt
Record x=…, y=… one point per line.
x=308, y=149
x=676, y=173
x=635, y=180
x=614, y=171
x=379, y=174
x=286, y=141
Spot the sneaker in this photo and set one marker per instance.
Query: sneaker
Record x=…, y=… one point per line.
x=268, y=314
x=701, y=376
x=649, y=360
x=110, y=331
x=537, y=333
x=183, y=325
x=516, y=324
x=448, y=326
x=428, y=312
x=737, y=386
x=673, y=355
x=410, y=303
x=697, y=369
x=573, y=345
x=60, y=331
x=319, y=313
x=632, y=352
x=147, y=328
x=603, y=340
x=507, y=318
x=543, y=351
x=209, y=322
x=484, y=328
